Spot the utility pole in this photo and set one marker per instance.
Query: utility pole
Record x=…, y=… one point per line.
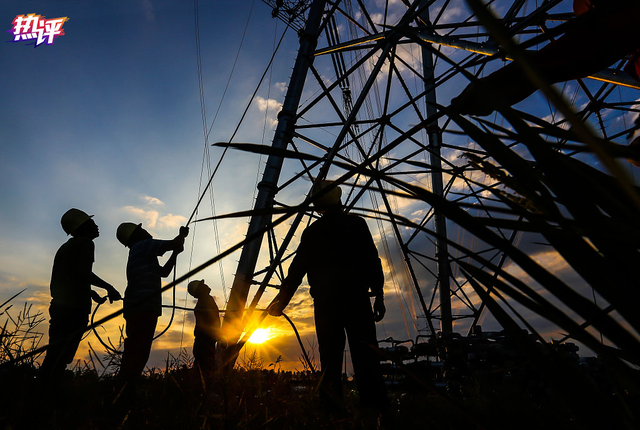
x=267, y=187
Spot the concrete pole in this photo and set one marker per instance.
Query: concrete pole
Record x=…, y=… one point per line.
x=267, y=188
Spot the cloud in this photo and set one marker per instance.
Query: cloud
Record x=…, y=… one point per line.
x=270, y=104
x=171, y=221
x=151, y=218
x=148, y=218
x=451, y=14
x=36, y=294
x=550, y=260
x=149, y=13
x=630, y=118
x=40, y=298
x=301, y=306
x=281, y=86
x=555, y=118
x=153, y=201
x=395, y=10
x=377, y=18
x=174, y=338
x=8, y=279
x=386, y=67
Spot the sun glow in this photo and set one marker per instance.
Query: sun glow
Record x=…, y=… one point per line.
x=261, y=335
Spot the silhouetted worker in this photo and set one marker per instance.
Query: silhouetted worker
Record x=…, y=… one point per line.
x=71, y=280
x=341, y=262
x=604, y=32
x=207, y=330
x=143, y=295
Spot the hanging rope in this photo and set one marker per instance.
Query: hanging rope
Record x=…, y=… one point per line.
x=212, y=175
x=304, y=351
x=215, y=171
x=231, y=139
x=293, y=326
x=95, y=332
x=206, y=136
x=206, y=133
x=209, y=131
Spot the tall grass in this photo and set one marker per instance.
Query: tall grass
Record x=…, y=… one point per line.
x=20, y=332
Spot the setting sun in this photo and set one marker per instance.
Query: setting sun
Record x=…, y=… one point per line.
x=261, y=335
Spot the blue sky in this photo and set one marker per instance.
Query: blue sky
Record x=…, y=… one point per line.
x=108, y=119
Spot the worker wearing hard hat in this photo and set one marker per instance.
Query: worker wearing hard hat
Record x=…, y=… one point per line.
x=143, y=295
x=340, y=259
x=207, y=330
x=71, y=280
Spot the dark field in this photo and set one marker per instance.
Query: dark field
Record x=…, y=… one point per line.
x=255, y=398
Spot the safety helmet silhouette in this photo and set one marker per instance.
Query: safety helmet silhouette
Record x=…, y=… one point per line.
x=125, y=231
x=193, y=287
x=72, y=219
x=327, y=199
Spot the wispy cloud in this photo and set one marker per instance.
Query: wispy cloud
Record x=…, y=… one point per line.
x=271, y=106
x=148, y=218
x=171, y=221
x=149, y=13
x=40, y=298
x=151, y=217
x=451, y=14
x=153, y=201
x=8, y=279
x=550, y=260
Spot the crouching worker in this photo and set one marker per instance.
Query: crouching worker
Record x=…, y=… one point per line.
x=143, y=295
x=71, y=280
x=207, y=331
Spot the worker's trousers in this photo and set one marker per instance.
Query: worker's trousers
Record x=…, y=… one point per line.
x=353, y=317
x=66, y=328
x=140, y=329
x=204, y=354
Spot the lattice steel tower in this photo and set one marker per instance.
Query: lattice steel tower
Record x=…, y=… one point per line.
x=367, y=97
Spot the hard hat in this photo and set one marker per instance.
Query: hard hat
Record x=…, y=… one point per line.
x=330, y=198
x=72, y=219
x=193, y=286
x=125, y=231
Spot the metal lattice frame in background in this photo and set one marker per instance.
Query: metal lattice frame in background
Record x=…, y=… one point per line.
x=366, y=90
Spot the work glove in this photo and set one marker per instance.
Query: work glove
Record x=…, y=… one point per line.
x=281, y=301
x=179, y=240
x=278, y=304
x=96, y=298
x=113, y=295
x=275, y=308
x=379, y=309
x=184, y=231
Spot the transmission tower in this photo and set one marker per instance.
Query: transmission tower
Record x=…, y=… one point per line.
x=366, y=98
